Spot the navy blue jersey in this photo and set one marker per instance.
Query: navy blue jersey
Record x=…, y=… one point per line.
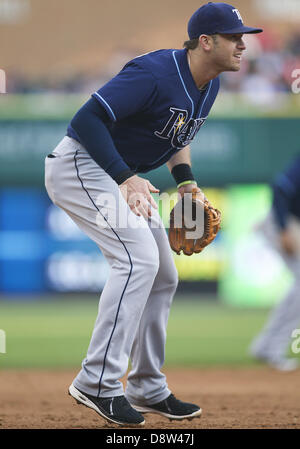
x=155, y=108
x=286, y=193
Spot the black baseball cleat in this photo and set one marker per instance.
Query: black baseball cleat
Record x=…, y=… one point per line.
x=114, y=409
x=171, y=408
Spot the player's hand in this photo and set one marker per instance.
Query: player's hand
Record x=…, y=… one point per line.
x=188, y=188
x=287, y=242
x=137, y=193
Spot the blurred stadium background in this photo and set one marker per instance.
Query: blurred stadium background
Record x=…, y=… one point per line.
x=54, y=55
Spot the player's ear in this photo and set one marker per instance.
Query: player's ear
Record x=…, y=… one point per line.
x=206, y=42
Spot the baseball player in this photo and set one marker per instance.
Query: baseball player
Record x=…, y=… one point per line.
x=281, y=228
x=144, y=117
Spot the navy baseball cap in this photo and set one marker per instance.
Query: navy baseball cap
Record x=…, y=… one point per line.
x=218, y=18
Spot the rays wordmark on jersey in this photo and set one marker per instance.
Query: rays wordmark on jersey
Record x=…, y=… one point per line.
x=178, y=129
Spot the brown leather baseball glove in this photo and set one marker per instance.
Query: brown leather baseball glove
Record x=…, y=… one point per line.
x=193, y=224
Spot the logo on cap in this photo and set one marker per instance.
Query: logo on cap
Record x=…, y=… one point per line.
x=238, y=14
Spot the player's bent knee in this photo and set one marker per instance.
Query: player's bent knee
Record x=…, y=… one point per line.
x=147, y=262
x=170, y=280
x=173, y=279
x=151, y=264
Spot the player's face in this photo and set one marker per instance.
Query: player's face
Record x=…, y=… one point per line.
x=227, y=52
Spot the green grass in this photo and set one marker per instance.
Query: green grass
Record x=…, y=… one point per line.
x=55, y=334
x=50, y=106
x=203, y=333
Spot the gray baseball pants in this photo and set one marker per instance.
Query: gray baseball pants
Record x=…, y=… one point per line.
x=135, y=303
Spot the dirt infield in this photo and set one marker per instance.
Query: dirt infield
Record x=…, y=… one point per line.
x=230, y=398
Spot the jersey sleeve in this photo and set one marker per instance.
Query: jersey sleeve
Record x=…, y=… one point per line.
x=290, y=180
x=285, y=188
x=129, y=92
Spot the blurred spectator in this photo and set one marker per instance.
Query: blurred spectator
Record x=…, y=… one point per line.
x=293, y=45
x=261, y=86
